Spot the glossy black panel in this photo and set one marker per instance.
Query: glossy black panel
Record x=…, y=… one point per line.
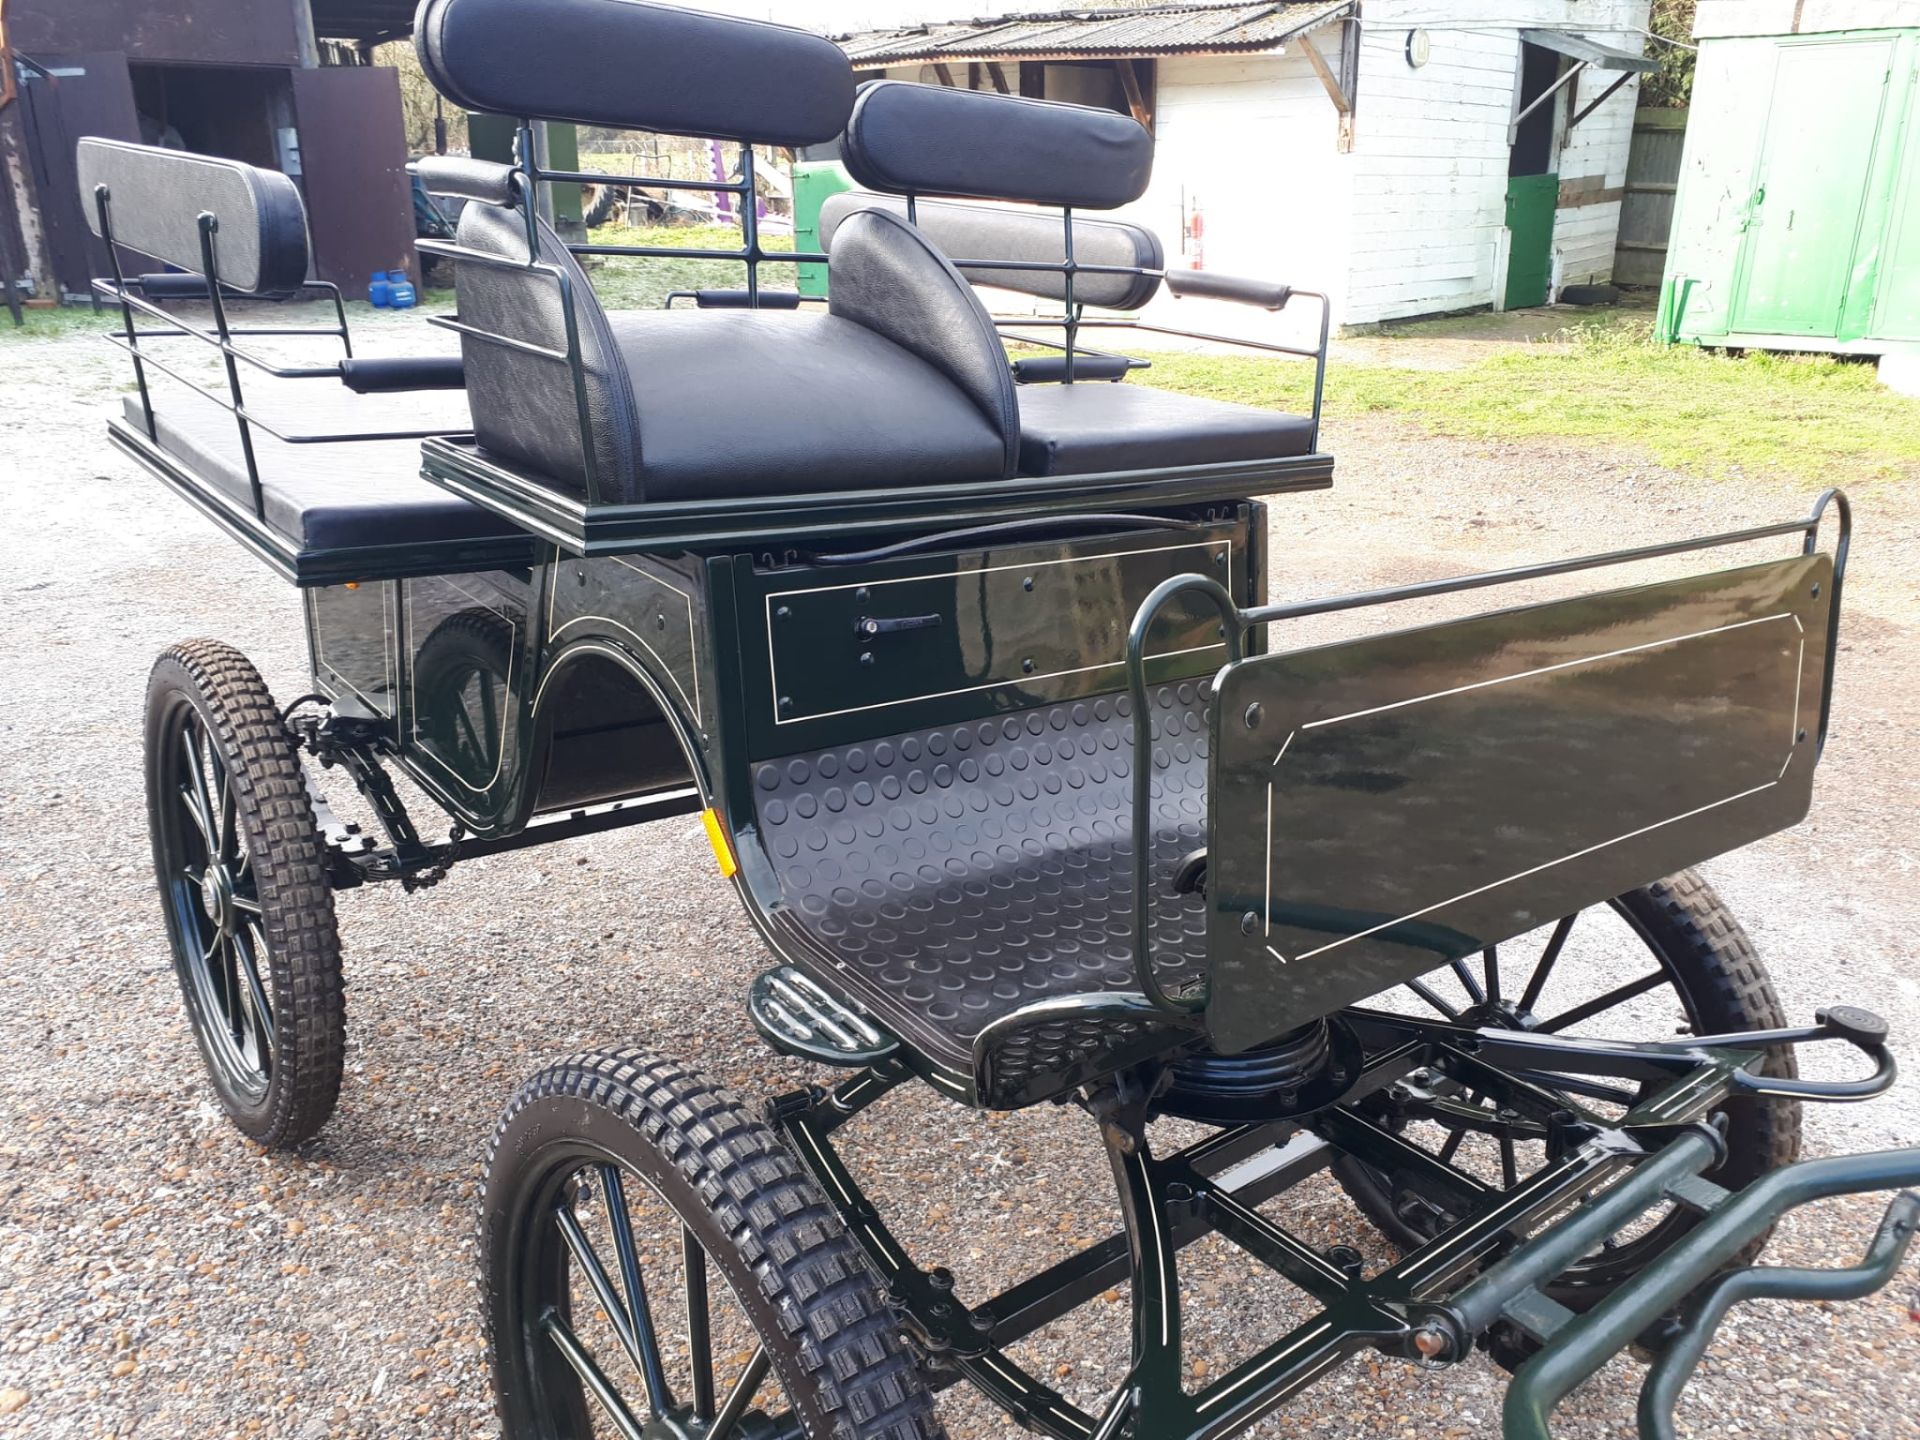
x=468, y=678
x=1384, y=805
x=857, y=651
x=353, y=632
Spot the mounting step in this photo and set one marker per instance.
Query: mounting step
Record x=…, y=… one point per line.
x=796, y=1016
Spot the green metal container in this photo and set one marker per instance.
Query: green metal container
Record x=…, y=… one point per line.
x=1797, y=224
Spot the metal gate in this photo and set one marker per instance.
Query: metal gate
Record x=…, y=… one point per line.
x=1646, y=213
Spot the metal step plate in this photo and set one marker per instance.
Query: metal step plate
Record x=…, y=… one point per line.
x=797, y=1016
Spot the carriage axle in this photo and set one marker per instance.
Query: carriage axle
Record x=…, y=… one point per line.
x=1483, y=1279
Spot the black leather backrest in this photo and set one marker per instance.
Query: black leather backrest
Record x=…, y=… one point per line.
x=888, y=278
x=977, y=145
x=981, y=232
x=157, y=196
x=524, y=406
x=636, y=66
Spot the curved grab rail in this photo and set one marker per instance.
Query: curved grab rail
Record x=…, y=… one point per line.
x=1233, y=628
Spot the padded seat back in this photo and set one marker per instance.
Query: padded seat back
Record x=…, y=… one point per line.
x=908, y=139
x=156, y=198
x=634, y=65
x=526, y=408
x=983, y=232
x=628, y=64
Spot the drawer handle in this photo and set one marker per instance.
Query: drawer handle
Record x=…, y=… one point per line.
x=868, y=628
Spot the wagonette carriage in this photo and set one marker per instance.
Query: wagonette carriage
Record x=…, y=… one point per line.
x=969, y=665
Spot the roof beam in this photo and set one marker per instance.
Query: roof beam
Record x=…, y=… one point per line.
x=1338, y=87
x=1136, y=93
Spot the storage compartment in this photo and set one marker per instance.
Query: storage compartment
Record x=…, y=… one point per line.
x=876, y=648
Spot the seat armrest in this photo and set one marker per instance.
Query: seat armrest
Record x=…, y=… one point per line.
x=384, y=375
x=1211, y=285
x=482, y=180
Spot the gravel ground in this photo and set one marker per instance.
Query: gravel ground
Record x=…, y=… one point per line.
x=158, y=1277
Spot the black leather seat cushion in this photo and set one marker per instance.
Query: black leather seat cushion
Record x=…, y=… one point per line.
x=335, y=495
x=741, y=402
x=1087, y=429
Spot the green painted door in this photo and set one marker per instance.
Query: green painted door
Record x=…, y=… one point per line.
x=1897, y=306
x=1531, y=203
x=1802, y=221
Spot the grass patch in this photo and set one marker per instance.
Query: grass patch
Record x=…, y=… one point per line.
x=55, y=323
x=644, y=284
x=1713, y=415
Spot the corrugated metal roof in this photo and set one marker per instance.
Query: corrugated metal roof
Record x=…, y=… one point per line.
x=1099, y=34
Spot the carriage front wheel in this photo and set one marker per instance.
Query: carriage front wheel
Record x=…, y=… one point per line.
x=241, y=867
x=619, y=1185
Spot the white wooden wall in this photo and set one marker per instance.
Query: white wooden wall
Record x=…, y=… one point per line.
x=1410, y=223
x=1431, y=149
x=1255, y=144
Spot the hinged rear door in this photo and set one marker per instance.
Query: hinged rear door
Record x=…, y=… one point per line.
x=1382, y=806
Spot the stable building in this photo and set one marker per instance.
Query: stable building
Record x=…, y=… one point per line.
x=1797, y=222
x=1407, y=165
x=283, y=84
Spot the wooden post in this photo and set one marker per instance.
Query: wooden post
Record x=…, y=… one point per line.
x=944, y=74
x=1137, y=100
x=997, y=73
x=1342, y=101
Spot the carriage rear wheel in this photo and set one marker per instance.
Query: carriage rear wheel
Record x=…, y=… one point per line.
x=1704, y=979
x=242, y=872
x=617, y=1185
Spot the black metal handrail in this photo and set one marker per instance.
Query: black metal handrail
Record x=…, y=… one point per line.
x=1236, y=622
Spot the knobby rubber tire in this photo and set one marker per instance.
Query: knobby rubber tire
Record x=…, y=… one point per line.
x=288, y=860
x=765, y=1225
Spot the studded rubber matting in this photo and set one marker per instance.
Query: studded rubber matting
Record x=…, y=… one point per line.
x=961, y=873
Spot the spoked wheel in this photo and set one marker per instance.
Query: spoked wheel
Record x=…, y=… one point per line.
x=242, y=874
x=620, y=1189
x=1652, y=964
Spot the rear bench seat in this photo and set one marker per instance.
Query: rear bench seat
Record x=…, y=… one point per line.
x=330, y=495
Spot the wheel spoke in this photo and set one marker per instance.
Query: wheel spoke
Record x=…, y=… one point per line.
x=247, y=947
x=1556, y=942
x=1426, y=992
x=213, y=944
x=639, y=1315
x=602, y=1284
x=1602, y=1004
x=248, y=903
x=1468, y=982
x=229, y=820
x=699, y=1325
x=741, y=1396
x=195, y=795
x=568, y=1344
x=1490, y=962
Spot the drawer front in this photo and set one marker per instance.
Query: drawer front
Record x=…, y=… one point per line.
x=933, y=639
